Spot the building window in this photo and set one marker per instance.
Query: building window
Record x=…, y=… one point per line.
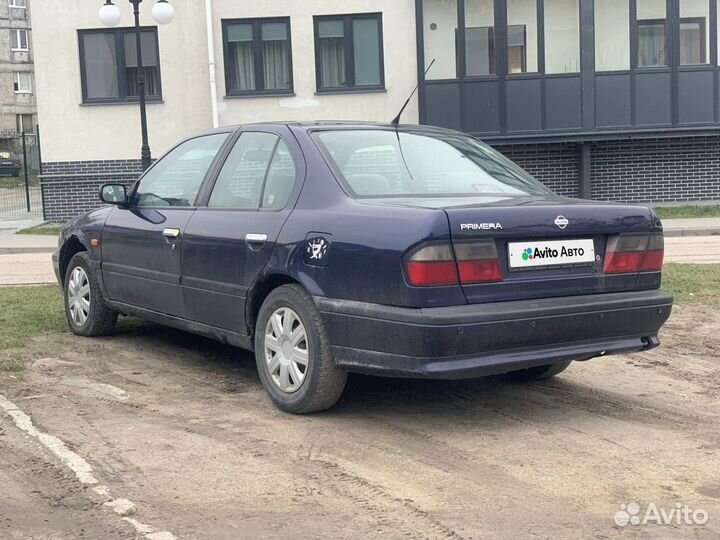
x=439, y=37
x=480, y=37
x=651, y=33
x=19, y=40
x=25, y=123
x=517, y=48
x=349, y=52
x=18, y=3
x=651, y=43
x=23, y=82
x=522, y=37
x=612, y=35
x=258, y=57
x=562, y=36
x=109, y=67
x=694, y=43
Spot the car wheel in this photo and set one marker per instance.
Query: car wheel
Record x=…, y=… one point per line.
x=85, y=307
x=540, y=372
x=293, y=354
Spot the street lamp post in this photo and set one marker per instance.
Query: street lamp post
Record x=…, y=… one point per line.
x=162, y=13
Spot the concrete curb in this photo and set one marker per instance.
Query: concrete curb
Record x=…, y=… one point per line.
x=692, y=231
x=21, y=250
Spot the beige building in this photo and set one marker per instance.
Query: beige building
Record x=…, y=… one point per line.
x=262, y=57
x=17, y=85
x=604, y=99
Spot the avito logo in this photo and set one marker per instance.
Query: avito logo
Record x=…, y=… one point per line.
x=548, y=253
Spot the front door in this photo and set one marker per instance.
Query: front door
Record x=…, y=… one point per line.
x=229, y=240
x=142, y=243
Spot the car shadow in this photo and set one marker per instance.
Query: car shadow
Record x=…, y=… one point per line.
x=552, y=399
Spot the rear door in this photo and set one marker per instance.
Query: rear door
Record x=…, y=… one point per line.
x=142, y=243
x=231, y=237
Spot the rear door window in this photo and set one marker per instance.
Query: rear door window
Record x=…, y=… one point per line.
x=280, y=179
x=240, y=182
x=258, y=173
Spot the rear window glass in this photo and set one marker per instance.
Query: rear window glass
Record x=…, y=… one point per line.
x=386, y=163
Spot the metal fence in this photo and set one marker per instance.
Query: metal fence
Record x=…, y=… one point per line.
x=20, y=193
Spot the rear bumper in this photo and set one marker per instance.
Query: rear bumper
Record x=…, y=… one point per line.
x=484, y=339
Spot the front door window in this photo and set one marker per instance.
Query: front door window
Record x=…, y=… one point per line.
x=175, y=180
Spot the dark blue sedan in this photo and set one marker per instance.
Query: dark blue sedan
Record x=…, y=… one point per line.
x=330, y=248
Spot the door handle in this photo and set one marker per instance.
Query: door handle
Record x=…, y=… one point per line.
x=255, y=241
x=171, y=233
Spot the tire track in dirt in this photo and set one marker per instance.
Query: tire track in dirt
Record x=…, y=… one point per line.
x=393, y=513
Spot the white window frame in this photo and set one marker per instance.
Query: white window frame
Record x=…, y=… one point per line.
x=18, y=32
x=14, y=4
x=18, y=89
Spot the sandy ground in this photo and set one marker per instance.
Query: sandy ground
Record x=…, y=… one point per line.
x=181, y=427
x=32, y=268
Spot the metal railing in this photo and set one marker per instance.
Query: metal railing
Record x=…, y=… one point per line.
x=20, y=168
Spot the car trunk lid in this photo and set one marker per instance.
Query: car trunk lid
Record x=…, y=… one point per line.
x=548, y=247
x=518, y=224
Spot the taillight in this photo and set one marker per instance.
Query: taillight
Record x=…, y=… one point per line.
x=470, y=263
x=432, y=265
x=478, y=262
x=634, y=253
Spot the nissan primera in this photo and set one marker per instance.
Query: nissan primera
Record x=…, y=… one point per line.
x=329, y=248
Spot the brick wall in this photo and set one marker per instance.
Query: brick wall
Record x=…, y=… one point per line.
x=555, y=165
x=71, y=188
x=657, y=170
x=644, y=170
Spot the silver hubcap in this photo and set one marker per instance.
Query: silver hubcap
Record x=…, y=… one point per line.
x=286, y=350
x=78, y=294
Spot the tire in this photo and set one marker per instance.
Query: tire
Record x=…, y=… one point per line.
x=280, y=349
x=86, y=312
x=540, y=372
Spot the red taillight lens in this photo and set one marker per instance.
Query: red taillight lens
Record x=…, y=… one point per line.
x=653, y=260
x=440, y=264
x=479, y=271
x=634, y=253
x=432, y=265
x=425, y=273
x=627, y=261
x=478, y=262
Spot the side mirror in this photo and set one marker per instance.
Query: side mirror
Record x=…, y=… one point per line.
x=114, y=194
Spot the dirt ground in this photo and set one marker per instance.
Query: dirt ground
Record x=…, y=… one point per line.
x=181, y=427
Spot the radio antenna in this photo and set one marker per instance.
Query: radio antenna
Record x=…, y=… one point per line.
x=396, y=120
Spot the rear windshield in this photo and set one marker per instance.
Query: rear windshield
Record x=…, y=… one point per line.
x=387, y=163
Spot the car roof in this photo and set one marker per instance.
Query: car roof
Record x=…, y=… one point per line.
x=334, y=124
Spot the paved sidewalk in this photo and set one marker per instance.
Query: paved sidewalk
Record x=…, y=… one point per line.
x=26, y=269
x=11, y=243
x=693, y=250
x=12, y=225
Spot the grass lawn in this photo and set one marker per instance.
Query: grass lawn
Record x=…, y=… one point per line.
x=692, y=283
x=679, y=212
x=49, y=229
x=30, y=311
